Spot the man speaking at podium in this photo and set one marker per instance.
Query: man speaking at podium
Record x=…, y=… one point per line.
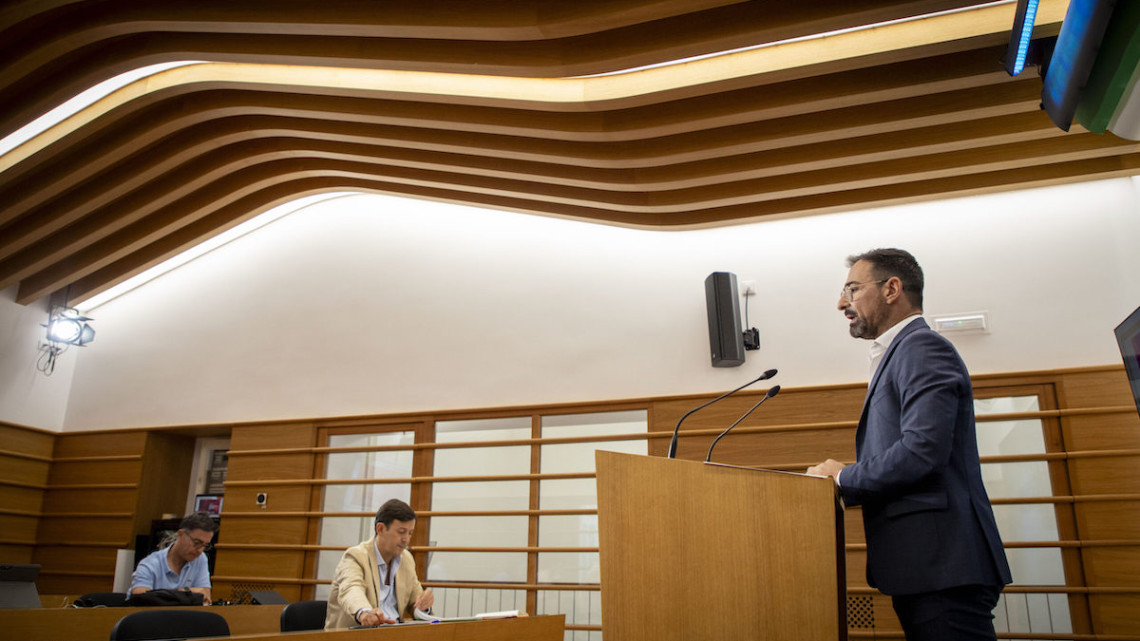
x=932, y=542
x=375, y=582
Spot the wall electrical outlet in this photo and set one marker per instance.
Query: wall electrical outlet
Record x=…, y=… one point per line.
x=748, y=288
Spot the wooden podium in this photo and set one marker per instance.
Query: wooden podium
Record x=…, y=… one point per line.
x=703, y=551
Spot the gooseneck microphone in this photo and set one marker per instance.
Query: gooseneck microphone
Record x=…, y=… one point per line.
x=772, y=392
x=676, y=430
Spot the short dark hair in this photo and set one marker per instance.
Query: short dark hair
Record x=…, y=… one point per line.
x=888, y=263
x=198, y=521
x=394, y=510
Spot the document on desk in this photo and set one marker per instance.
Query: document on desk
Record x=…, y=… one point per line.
x=505, y=614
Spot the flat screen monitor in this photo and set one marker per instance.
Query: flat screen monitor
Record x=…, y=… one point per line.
x=1128, y=338
x=18, y=585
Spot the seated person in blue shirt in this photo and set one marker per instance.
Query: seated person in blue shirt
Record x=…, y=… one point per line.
x=181, y=564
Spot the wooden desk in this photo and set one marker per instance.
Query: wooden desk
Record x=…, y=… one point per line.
x=543, y=628
x=94, y=624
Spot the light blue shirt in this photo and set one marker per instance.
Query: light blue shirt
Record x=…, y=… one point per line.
x=387, y=592
x=153, y=573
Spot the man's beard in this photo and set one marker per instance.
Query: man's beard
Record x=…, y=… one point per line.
x=860, y=328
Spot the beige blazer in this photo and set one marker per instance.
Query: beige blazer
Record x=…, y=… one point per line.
x=356, y=585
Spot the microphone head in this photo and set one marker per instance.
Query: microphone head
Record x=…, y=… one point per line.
x=775, y=389
x=766, y=375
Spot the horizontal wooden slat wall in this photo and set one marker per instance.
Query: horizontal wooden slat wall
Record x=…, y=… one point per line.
x=1110, y=477
x=263, y=549
x=1096, y=447
x=89, y=510
x=25, y=462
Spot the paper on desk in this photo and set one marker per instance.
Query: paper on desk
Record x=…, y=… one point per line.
x=505, y=614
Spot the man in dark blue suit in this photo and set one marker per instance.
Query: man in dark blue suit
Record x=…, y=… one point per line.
x=932, y=542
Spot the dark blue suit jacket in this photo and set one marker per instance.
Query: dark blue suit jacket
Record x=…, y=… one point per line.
x=927, y=517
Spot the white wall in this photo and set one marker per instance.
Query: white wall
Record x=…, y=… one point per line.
x=372, y=304
x=28, y=397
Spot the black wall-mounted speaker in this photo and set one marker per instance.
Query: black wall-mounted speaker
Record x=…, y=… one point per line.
x=726, y=339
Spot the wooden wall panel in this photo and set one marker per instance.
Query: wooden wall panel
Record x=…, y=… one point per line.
x=90, y=500
x=263, y=468
x=283, y=530
x=87, y=472
x=25, y=463
x=1116, y=475
x=18, y=528
x=100, y=444
x=1117, y=431
x=272, y=436
x=284, y=564
x=281, y=498
x=111, y=530
x=26, y=440
x=799, y=412
x=21, y=499
x=164, y=478
x=1108, y=520
x=1114, y=566
x=1116, y=613
x=79, y=559
x=50, y=583
x=15, y=553
x=24, y=470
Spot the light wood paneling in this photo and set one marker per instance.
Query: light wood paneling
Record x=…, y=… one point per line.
x=22, y=470
x=18, y=528
x=85, y=472
x=164, y=478
x=1115, y=613
x=21, y=498
x=267, y=530
x=25, y=464
x=27, y=440
x=282, y=498
x=93, y=530
x=1113, y=566
x=271, y=436
x=100, y=444
x=90, y=500
x=1108, y=520
x=264, y=468
x=262, y=563
x=79, y=559
x=1116, y=475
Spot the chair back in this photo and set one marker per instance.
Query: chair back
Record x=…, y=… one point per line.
x=102, y=600
x=151, y=625
x=304, y=615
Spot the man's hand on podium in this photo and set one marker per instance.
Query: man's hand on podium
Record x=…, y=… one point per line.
x=830, y=467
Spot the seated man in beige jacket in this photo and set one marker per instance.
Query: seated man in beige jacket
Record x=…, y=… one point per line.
x=375, y=582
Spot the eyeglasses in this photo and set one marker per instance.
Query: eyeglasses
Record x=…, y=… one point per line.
x=848, y=291
x=204, y=546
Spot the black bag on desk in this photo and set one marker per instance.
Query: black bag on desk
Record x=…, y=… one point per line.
x=165, y=598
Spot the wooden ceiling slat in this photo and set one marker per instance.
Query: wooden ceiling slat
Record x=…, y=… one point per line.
x=91, y=203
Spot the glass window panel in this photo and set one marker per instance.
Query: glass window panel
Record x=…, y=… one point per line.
x=568, y=531
x=479, y=531
x=568, y=494
x=483, y=461
x=348, y=531
x=579, y=457
x=1037, y=522
x=568, y=567
x=480, y=567
x=484, y=495
x=370, y=465
x=1017, y=480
